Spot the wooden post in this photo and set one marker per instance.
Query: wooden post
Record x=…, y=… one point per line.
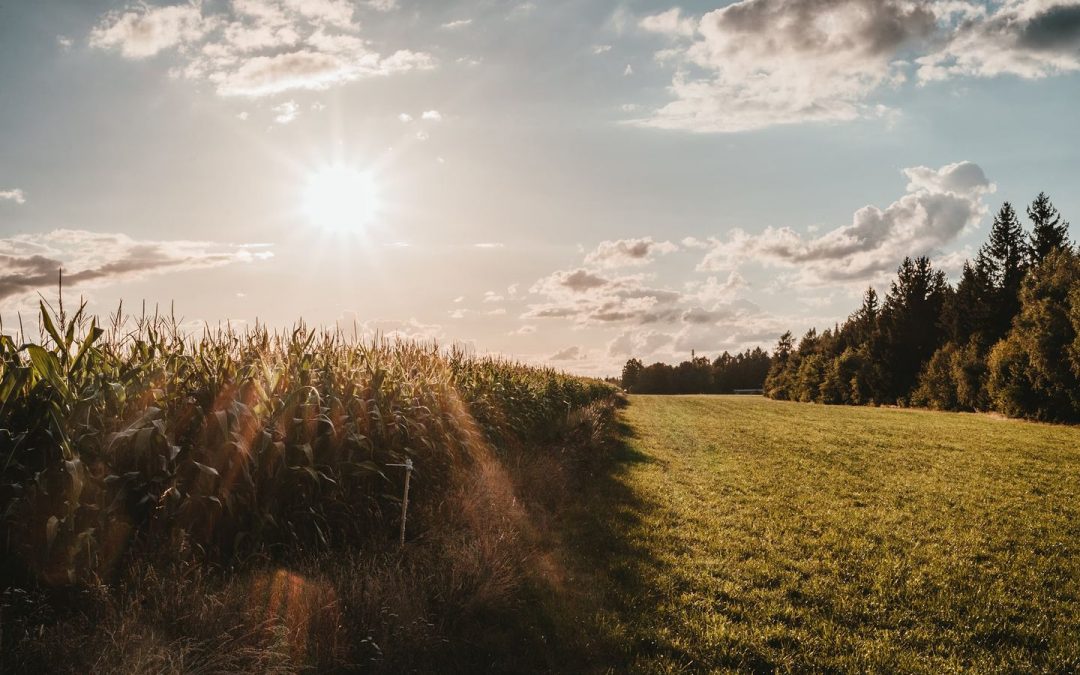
x=405, y=498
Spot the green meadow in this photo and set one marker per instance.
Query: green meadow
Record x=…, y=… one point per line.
x=744, y=534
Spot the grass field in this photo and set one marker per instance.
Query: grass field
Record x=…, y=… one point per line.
x=747, y=534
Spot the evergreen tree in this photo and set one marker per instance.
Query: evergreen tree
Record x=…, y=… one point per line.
x=910, y=323
x=1007, y=254
x=969, y=310
x=631, y=373
x=1049, y=233
x=864, y=323
x=1006, y=249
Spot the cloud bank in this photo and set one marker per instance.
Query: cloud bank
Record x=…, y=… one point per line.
x=759, y=63
x=256, y=48
x=31, y=262
x=938, y=206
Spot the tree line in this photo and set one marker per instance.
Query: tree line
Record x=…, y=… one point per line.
x=723, y=375
x=1005, y=338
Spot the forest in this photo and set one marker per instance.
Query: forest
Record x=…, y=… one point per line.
x=1005, y=338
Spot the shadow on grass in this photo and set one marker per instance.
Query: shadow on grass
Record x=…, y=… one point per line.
x=611, y=570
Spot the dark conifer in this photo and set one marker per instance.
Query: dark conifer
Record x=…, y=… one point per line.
x=1048, y=233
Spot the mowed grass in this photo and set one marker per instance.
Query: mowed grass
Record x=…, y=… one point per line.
x=743, y=534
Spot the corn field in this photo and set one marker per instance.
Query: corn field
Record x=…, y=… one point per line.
x=133, y=439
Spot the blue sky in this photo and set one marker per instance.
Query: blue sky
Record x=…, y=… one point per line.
x=565, y=182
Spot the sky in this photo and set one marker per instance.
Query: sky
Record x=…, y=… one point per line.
x=565, y=182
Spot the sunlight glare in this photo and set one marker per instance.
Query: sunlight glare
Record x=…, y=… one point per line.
x=341, y=198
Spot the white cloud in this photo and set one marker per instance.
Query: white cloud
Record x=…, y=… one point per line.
x=601, y=49
x=939, y=205
x=422, y=135
x=143, y=32
x=459, y=23
x=1026, y=38
x=628, y=71
x=489, y=245
x=30, y=262
x=431, y=116
x=405, y=118
x=16, y=195
x=671, y=23
x=242, y=116
x=627, y=252
x=65, y=42
x=492, y=296
x=286, y=112
x=256, y=47
x=383, y=5
x=586, y=297
x=758, y=63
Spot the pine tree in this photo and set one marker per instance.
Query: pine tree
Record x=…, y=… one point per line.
x=1006, y=249
x=1006, y=256
x=911, y=324
x=867, y=316
x=969, y=310
x=1049, y=232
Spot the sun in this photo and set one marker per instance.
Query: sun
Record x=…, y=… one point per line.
x=341, y=198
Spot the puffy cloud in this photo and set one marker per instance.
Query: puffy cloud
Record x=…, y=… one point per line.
x=286, y=112
x=143, y=32
x=759, y=63
x=671, y=22
x=738, y=327
x=712, y=290
x=626, y=252
x=30, y=262
x=16, y=195
x=939, y=205
x=1026, y=38
x=574, y=353
x=256, y=47
x=588, y=298
x=431, y=116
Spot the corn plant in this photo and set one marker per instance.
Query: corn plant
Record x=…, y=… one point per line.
x=136, y=439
